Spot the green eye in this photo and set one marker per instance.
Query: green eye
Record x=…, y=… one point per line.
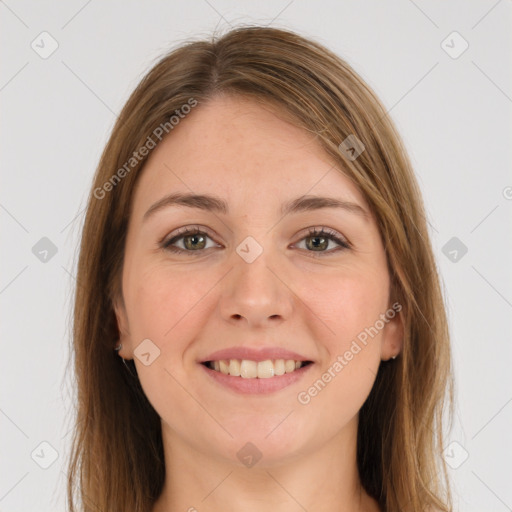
x=320, y=240
x=194, y=240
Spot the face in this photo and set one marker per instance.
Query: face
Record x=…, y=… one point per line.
x=263, y=280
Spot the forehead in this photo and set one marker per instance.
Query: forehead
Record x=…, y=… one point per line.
x=245, y=152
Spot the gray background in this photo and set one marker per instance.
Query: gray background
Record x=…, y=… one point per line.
x=453, y=113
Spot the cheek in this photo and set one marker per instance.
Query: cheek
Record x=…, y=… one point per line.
x=351, y=306
x=166, y=307
x=163, y=301
x=347, y=302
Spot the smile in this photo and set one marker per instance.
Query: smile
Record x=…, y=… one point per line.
x=248, y=369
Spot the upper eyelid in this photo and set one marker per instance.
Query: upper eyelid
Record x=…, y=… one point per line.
x=187, y=230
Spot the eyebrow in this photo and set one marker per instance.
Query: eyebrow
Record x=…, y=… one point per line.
x=216, y=204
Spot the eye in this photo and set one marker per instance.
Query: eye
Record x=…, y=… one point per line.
x=192, y=239
x=317, y=241
x=195, y=240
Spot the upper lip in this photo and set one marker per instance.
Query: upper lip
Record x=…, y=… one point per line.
x=253, y=354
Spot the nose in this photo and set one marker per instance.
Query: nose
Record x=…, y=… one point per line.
x=257, y=294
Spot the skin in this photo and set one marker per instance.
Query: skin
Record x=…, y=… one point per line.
x=312, y=302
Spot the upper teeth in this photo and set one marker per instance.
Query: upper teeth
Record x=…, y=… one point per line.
x=254, y=369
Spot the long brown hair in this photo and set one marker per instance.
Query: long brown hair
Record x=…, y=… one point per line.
x=117, y=460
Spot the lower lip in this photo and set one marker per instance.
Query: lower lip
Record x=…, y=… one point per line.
x=257, y=386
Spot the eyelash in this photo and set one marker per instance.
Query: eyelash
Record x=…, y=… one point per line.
x=313, y=232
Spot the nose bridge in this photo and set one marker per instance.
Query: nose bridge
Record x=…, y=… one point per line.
x=255, y=291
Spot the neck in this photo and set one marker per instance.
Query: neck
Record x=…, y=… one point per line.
x=324, y=479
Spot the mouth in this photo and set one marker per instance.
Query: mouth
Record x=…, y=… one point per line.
x=249, y=377
x=249, y=369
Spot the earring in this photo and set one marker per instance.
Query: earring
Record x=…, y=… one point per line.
x=393, y=357
x=118, y=347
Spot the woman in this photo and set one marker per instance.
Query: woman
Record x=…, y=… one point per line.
x=259, y=322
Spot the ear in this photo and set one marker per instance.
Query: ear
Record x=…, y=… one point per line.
x=392, y=333
x=123, y=327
